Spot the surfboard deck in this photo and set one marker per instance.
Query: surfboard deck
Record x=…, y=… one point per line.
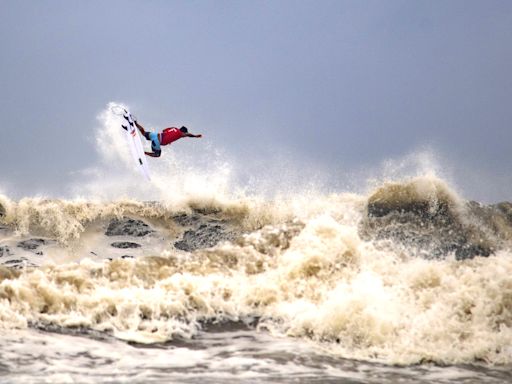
x=135, y=144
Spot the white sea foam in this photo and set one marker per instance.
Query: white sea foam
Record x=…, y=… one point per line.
x=314, y=278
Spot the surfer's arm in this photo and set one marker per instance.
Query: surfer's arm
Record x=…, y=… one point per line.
x=191, y=135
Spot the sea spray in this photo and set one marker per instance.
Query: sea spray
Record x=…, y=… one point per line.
x=305, y=268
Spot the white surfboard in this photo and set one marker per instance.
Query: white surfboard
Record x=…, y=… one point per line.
x=135, y=144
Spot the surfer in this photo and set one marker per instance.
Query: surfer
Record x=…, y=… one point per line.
x=166, y=137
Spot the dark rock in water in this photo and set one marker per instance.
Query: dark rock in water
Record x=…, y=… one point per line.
x=419, y=208
x=205, y=235
x=127, y=257
x=128, y=227
x=469, y=251
x=436, y=225
x=15, y=261
x=186, y=220
x=4, y=251
x=125, y=245
x=31, y=244
x=2, y=210
x=204, y=229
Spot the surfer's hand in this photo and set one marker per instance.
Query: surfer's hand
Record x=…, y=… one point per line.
x=199, y=136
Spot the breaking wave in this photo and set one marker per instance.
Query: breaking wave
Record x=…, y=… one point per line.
x=409, y=273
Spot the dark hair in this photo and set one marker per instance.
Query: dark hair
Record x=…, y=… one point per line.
x=184, y=129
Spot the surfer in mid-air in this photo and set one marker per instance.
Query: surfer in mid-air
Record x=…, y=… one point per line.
x=166, y=137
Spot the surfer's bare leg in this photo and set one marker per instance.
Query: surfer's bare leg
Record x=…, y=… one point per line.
x=141, y=128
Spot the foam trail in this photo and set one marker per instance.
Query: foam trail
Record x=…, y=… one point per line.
x=173, y=175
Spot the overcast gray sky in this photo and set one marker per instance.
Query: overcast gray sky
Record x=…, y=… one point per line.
x=341, y=84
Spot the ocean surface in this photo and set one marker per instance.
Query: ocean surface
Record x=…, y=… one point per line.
x=406, y=282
